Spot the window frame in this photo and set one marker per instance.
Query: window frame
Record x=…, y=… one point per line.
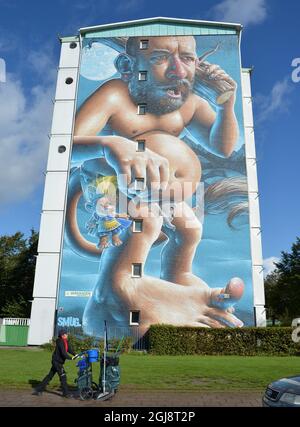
x=143, y=142
x=131, y=322
x=141, y=74
x=135, y=221
x=135, y=264
x=142, y=109
x=144, y=44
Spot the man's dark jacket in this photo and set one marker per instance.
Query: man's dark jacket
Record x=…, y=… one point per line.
x=60, y=354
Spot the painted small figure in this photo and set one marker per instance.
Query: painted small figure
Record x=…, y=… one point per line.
x=106, y=224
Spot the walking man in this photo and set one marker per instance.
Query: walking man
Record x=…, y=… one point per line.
x=61, y=353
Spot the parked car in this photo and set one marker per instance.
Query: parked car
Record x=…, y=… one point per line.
x=283, y=392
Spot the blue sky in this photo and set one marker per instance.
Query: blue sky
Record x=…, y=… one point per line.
x=30, y=48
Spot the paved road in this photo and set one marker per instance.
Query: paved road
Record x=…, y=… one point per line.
x=126, y=398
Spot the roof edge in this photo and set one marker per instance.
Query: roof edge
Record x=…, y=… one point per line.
x=248, y=69
x=236, y=26
x=68, y=39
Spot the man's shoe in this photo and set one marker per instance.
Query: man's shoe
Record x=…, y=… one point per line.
x=37, y=393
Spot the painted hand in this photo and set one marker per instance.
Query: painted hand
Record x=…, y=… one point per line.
x=219, y=81
x=121, y=154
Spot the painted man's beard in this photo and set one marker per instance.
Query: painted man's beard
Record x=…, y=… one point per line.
x=160, y=98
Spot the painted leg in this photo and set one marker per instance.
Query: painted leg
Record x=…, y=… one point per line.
x=103, y=243
x=179, y=252
x=177, y=260
x=158, y=300
x=108, y=301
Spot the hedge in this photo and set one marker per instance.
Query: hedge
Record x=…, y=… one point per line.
x=83, y=343
x=173, y=340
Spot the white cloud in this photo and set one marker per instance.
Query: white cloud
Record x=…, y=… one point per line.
x=277, y=101
x=245, y=12
x=41, y=62
x=24, y=125
x=8, y=41
x=129, y=6
x=269, y=265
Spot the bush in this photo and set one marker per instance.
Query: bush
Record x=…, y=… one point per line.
x=49, y=346
x=83, y=343
x=77, y=344
x=125, y=345
x=172, y=340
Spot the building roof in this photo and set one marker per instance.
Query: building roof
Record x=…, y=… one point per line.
x=159, y=19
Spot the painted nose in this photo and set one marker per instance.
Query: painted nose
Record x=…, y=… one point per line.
x=176, y=69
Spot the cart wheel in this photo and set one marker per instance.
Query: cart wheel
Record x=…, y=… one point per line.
x=86, y=393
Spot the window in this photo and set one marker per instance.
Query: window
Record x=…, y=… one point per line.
x=143, y=75
x=134, y=318
x=73, y=45
x=140, y=145
x=136, y=270
x=142, y=109
x=139, y=184
x=61, y=149
x=69, y=81
x=144, y=44
x=137, y=225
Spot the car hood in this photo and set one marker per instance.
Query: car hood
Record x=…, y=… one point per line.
x=287, y=385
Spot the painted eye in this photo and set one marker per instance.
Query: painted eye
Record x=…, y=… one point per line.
x=159, y=59
x=188, y=59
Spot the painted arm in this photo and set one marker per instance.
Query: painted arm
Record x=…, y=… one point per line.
x=119, y=152
x=95, y=112
x=91, y=118
x=222, y=130
x=91, y=224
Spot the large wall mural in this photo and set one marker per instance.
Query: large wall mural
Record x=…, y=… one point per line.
x=157, y=187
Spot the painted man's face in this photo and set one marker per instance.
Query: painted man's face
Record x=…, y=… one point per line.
x=170, y=63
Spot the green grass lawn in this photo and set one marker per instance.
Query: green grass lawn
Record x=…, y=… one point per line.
x=19, y=368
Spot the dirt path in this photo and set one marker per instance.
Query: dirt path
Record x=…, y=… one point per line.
x=18, y=398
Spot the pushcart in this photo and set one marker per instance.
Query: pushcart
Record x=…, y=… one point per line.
x=109, y=378
x=85, y=384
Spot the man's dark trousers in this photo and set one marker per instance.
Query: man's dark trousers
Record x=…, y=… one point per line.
x=59, y=369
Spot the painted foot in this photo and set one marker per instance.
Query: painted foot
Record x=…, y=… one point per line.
x=225, y=297
x=116, y=240
x=103, y=243
x=223, y=300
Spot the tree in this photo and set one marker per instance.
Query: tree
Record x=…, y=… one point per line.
x=17, y=268
x=282, y=287
x=15, y=308
x=272, y=296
